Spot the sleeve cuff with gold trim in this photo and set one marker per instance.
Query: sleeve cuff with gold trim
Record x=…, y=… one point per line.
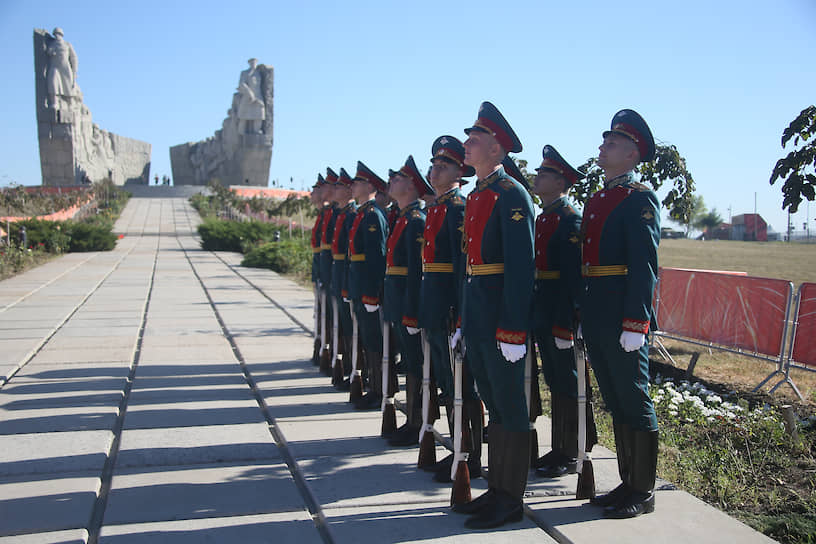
x=371, y=300
x=410, y=322
x=564, y=334
x=511, y=337
x=635, y=325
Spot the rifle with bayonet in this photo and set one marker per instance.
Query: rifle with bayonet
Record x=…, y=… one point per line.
x=587, y=433
x=460, y=474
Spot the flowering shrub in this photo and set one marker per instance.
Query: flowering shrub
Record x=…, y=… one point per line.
x=738, y=458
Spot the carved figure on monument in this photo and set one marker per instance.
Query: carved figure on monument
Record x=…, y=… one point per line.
x=73, y=149
x=251, y=106
x=241, y=149
x=62, y=72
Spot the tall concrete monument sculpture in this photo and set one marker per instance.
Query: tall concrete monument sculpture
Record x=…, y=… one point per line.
x=240, y=152
x=74, y=150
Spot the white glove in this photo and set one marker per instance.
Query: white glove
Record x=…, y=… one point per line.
x=348, y=300
x=560, y=343
x=631, y=341
x=372, y=307
x=412, y=330
x=579, y=332
x=513, y=352
x=455, y=338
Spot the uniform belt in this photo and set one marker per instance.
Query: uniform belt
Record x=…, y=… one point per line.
x=608, y=270
x=324, y=247
x=358, y=257
x=437, y=267
x=396, y=271
x=547, y=275
x=339, y=256
x=485, y=269
x=316, y=249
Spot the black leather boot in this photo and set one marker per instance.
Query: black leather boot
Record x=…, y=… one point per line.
x=609, y=500
x=487, y=500
x=565, y=444
x=511, y=483
x=410, y=437
x=643, y=468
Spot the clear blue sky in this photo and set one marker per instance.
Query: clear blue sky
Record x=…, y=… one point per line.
x=379, y=80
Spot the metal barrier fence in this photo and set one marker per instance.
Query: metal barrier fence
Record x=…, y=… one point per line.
x=736, y=313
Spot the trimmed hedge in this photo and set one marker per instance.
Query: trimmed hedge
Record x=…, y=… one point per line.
x=285, y=257
x=64, y=236
x=221, y=235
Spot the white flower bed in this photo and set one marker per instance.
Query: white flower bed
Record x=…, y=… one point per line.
x=692, y=402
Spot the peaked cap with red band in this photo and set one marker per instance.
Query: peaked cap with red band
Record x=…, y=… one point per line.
x=344, y=178
x=331, y=176
x=364, y=173
x=629, y=123
x=411, y=171
x=320, y=181
x=451, y=150
x=513, y=171
x=492, y=122
x=555, y=162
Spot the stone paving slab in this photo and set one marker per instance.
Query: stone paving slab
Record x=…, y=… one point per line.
x=45, y=504
x=687, y=520
x=423, y=522
x=102, y=353
x=76, y=536
x=53, y=453
x=198, y=445
x=256, y=529
x=171, y=493
x=191, y=414
x=67, y=417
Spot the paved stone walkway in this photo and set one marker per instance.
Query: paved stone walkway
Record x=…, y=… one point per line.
x=160, y=393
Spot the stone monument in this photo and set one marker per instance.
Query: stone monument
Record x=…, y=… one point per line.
x=74, y=150
x=240, y=152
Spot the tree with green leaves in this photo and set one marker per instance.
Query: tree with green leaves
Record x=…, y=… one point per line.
x=798, y=166
x=708, y=221
x=668, y=165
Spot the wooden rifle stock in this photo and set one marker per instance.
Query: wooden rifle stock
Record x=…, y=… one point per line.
x=325, y=356
x=586, y=474
x=460, y=474
x=356, y=385
x=529, y=383
x=389, y=411
x=316, y=329
x=427, y=443
x=337, y=358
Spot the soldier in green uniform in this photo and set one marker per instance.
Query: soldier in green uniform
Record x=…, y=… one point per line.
x=326, y=260
x=367, y=238
x=495, y=309
x=556, y=291
x=403, y=274
x=620, y=233
x=442, y=273
x=340, y=241
x=320, y=204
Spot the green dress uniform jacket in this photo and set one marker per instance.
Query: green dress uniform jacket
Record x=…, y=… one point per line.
x=367, y=237
x=621, y=233
x=499, y=268
x=497, y=293
x=442, y=272
x=557, y=288
x=340, y=243
x=442, y=261
x=403, y=272
x=326, y=238
x=317, y=233
x=403, y=275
